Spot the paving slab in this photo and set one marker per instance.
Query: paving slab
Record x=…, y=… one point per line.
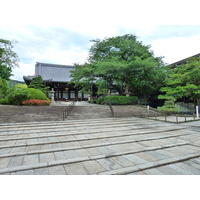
x=16, y=161
x=57, y=170
x=108, y=164
x=76, y=169
x=46, y=157
x=41, y=171
x=93, y=167
x=123, y=146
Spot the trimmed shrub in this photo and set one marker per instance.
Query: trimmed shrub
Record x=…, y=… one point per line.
x=118, y=100
x=169, y=107
x=36, y=94
x=17, y=96
x=36, y=102
x=101, y=100
x=92, y=101
x=4, y=101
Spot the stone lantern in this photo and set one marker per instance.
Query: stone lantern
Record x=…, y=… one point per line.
x=52, y=95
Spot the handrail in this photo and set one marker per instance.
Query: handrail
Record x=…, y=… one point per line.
x=177, y=118
x=111, y=109
x=67, y=110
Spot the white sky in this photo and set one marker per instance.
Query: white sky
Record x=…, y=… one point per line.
x=60, y=31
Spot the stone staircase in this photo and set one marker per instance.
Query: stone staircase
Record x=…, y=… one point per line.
x=103, y=111
x=90, y=112
x=11, y=114
x=97, y=146
x=185, y=107
x=133, y=111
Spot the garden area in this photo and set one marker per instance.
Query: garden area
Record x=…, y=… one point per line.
x=20, y=94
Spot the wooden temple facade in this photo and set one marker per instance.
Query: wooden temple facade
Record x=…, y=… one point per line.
x=57, y=77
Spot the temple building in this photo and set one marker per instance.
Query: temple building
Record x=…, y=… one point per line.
x=57, y=77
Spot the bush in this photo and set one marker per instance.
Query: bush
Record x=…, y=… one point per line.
x=101, y=100
x=92, y=101
x=169, y=107
x=3, y=88
x=16, y=96
x=118, y=100
x=36, y=102
x=36, y=94
x=4, y=101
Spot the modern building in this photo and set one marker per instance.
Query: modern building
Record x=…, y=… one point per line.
x=57, y=77
x=173, y=65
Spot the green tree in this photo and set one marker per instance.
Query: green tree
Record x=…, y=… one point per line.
x=38, y=83
x=20, y=86
x=184, y=81
x=169, y=107
x=122, y=62
x=8, y=58
x=3, y=88
x=5, y=72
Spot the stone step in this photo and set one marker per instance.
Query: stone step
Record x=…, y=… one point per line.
x=11, y=114
x=89, y=158
x=150, y=165
x=84, y=137
x=95, y=146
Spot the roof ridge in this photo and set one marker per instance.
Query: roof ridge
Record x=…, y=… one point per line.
x=53, y=65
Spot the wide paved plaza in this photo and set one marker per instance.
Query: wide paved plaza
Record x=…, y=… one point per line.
x=109, y=146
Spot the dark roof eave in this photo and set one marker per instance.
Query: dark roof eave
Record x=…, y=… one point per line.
x=30, y=78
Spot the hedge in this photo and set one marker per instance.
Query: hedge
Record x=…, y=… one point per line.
x=17, y=96
x=118, y=100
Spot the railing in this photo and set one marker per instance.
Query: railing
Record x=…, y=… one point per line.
x=111, y=109
x=67, y=110
x=178, y=118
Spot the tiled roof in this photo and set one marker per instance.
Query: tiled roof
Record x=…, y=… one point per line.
x=52, y=72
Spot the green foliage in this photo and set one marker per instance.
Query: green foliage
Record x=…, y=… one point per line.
x=101, y=100
x=8, y=58
x=16, y=96
x=169, y=107
x=3, y=88
x=35, y=94
x=38, y=83
x=118, y=100
x=184, y=81
x=92, y=101
x=13, y=83
x=124, y=64
x=4, y=101
x=20, y=86
x=102, y=86
x=5, y=72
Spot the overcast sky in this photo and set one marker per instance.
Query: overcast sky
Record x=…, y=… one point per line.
x=60, y=31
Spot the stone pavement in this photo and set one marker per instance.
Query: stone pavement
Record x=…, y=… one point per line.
x=100, y=146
